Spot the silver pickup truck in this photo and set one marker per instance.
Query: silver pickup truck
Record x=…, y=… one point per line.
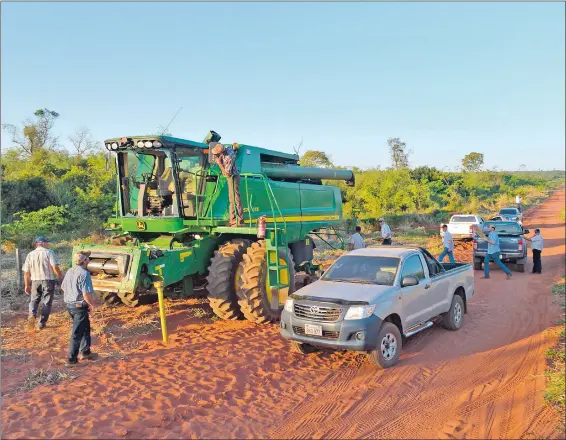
x=372, y=298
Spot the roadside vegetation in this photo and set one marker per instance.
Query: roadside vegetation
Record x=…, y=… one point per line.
x=556, y=372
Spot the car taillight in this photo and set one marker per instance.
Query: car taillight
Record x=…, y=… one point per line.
x=521, y=245
x=475, y=244
x=471, y=229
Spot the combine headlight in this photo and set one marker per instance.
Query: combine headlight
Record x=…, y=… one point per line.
x=147, y=144
x=108, y=146
x=140, y=144
x=156, y=144
x=115, y=146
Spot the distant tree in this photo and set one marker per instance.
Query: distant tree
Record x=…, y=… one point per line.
x=522, y=167
x=399, y=153
x=472, y=162
x=35, y=134
x=315, y=158
x=82, y=142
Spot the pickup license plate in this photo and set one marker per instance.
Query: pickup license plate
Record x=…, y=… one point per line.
x=313, y=330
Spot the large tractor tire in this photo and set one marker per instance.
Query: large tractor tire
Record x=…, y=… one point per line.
x=253, y=293
x=223, y=279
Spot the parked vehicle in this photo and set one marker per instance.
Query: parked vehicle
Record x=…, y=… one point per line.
x=461, y=226
x=372, y=298
x=511, y=242
x=511, y=215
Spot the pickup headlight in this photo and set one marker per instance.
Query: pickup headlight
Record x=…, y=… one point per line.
x=359, y=312
x=289, y=305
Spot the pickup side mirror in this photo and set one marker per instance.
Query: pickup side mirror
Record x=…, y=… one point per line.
x=526, y=231
x=409, y=280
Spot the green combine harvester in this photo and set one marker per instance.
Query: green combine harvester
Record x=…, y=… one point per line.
x=171, y=222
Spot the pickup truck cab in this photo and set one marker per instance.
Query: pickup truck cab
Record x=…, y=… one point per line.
x=372, y=298
x=461, y=226
x=511, y=242
x=511, y=215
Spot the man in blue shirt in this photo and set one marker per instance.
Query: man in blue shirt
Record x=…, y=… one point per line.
x=78, y=295
x=494, y=253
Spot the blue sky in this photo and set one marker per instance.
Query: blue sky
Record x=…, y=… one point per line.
x=447, y=78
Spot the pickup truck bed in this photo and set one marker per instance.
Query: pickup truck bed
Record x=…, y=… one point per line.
x=511, y=242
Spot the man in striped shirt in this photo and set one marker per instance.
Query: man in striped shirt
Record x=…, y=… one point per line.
x=225, y=158
x=41, y=272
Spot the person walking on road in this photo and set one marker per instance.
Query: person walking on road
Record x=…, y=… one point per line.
x=537, y=245
x=448, y=243
x=356, y=240
x=78, y=295
x=494, y=253
x=225, y=158
x=385, y=231
x=41, y=273
x=518, y=201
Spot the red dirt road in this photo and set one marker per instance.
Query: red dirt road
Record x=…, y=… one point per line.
x=238, y=380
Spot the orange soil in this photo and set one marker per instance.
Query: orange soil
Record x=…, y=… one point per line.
x=237, y=380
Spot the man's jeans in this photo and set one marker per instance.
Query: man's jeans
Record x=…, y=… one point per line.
x=80, y=337
x=537, y=263
x=496, y=260
x=41, y=292
x=386, y=241
x=234, y=198
x=447, y=252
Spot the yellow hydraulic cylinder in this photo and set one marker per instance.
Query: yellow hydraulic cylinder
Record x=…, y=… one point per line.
x=159, y=287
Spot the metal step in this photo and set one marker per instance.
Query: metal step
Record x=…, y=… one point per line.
x=418, y=328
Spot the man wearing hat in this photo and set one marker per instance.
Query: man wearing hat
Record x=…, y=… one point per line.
x=225, y=158
x=537, y=245
x=79, y=299
x=385, y=231
x=41, y=272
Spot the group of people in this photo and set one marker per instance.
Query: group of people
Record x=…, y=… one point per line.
x=41, y=273
x=493, y=250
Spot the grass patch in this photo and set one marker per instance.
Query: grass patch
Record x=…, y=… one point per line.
x=44, y=376
x=555, y=393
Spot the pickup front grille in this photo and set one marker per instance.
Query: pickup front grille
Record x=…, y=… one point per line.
x=325, y=334
x=317, y=313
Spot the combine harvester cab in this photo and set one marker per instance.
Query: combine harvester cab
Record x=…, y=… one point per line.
x=171, y=225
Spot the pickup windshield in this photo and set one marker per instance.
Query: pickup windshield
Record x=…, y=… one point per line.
x=509, y=211
x=363, y=270
x=463, y=219
x=505, y=228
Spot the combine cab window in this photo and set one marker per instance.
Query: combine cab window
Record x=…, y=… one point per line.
x=147, y=184
x=191, y=180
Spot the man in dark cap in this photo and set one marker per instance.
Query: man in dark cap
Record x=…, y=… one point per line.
x=41, y=272
x=79, y=299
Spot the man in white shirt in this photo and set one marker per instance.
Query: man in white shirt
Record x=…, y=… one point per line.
x=537, y=245
x=518, y=201
x=356, y=240
x=448, y=243
x=385, y=231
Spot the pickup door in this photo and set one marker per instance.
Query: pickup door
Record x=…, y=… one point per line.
x=427, y=299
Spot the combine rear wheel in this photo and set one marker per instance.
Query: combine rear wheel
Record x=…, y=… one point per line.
x=223, y=279
x=254, y=297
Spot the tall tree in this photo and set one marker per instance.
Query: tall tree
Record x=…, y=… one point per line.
x=315, y=158
x=399, y=153
x=82, y=141
x=472, y=162
x=35, y=134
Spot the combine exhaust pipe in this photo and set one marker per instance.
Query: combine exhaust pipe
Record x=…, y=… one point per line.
x=299, y=172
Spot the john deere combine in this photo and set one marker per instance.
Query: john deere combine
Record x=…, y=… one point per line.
x=171, y=226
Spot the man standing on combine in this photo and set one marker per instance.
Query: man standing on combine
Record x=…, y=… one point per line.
x=385, y=231
x=41, y=272
x=493, y=253
x=225, y=158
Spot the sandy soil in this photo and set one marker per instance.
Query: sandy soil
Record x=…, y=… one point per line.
x=236, y=380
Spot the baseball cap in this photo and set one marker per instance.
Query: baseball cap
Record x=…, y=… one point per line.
x=41, y=239
x=381, y=219
x=80, y=256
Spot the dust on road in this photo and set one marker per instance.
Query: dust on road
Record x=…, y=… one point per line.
x=238, y=380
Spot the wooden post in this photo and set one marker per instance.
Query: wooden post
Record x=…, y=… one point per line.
x=19, y=270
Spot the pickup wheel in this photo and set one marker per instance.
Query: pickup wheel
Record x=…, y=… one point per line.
x=301, y=348
x=477, y=264
x=388, y=348
x=452, y=320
